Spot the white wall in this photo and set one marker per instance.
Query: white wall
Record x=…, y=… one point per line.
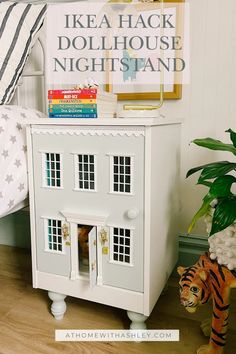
x=208, y=106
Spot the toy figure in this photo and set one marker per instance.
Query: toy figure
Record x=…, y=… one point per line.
x=83, y=234
x=201, y=282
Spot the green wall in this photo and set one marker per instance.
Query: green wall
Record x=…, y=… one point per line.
x=15, y=230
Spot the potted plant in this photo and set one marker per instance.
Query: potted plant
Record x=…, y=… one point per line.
x=219, y=178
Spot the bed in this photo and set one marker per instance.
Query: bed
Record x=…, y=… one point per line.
x=13, y=111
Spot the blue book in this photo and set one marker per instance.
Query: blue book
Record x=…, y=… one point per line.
x=72, y=111
x=73, y=115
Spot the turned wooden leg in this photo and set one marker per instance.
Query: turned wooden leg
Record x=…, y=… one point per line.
x=138, y=320
x=58, y=307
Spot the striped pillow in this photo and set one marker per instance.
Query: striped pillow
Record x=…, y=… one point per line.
x=19, y=27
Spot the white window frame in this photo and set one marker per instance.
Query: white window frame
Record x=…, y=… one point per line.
x=46, y=241
x=111, y=157
x=76, y=172
x=111, y=233
x=44, y=177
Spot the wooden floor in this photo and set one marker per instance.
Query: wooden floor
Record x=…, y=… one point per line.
x=27, y=327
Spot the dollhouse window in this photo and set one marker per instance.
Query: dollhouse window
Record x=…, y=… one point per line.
x=53, y=170
x=85, y=174
x=122, y=174
x=121, y=245
x=54, y=234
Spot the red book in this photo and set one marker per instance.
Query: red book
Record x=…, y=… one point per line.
x=85, y=91
x=73, y=95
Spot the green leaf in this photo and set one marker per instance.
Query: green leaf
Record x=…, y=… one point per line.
x=221, y=186
x=232, y=136
x=224, y=215
x=198, y=168
x=216, y=169
x=213, y=144
x=205, y=183
x=201, y=212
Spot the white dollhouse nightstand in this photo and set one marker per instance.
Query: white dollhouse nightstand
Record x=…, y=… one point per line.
x=120, y=177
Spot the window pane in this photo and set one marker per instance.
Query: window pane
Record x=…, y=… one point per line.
x=121, y=245
x=127, y=160
x=115, y=257
x=127, y=189
x=121, y=257
x=122, y=169
x=121, y=160
x=122, y=174
x=116, y=160
x=55, y=240
x=53, y=170
x=86, y=171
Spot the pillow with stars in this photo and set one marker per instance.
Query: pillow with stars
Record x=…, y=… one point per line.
x=13, y=170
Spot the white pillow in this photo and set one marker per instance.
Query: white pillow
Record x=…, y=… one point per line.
x=19, y=26
x=13, y=164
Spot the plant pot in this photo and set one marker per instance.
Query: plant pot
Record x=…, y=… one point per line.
x=222, y=244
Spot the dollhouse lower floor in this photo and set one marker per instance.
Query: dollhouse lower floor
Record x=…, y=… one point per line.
x=26, y=327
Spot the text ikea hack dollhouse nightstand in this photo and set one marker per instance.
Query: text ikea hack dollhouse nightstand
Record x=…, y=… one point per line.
x=119, y=178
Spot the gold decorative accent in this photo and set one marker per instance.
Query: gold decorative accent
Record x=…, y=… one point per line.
x=105, y=250
x=103, y=236
x=65, y=231
x=68, y=243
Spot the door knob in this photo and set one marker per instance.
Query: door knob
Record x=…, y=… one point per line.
x=132, y=213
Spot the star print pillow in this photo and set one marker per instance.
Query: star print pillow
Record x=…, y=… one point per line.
x=13, y=163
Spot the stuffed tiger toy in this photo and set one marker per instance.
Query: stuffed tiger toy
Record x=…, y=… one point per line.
x=203, y=281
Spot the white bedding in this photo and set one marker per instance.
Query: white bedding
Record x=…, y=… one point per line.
x=13, y=162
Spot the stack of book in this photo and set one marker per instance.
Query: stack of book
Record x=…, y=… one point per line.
x=81, y=103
